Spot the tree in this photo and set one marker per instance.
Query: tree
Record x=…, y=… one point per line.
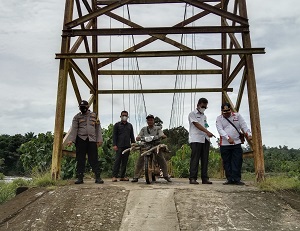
x=176, y=138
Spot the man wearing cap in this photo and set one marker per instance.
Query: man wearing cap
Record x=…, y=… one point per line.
x=199, y=142
x=86, y=134
x=229, y=125
x=122, y=139
x=155, y=131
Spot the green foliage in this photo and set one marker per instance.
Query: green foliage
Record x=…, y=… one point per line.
x=214, y=163
x=37, y=153
x=177, y=137
x=133, y=157
x=42, y=179
x=9, y=156
x=181, y=161
x=8, y=190
x=2, y=176
x=105, y=152
x=278, y=183
x=68, y=167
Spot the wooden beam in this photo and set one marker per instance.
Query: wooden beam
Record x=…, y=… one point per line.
x=96, y=13
x=145, y=54
x=150, y=91
x=218, y=11
x=234, y=73
x=248, y=154
x=82, y=75
x=159, y=72
x=61, y=99
x=155, y=30
x=253, y=104
x=107, y=2
x=161, y=37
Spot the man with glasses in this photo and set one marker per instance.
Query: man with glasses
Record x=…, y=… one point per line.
x=199, y=142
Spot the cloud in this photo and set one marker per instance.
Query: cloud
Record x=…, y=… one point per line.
x=30, y=37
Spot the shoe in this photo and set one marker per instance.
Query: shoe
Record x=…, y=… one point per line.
x=114, y=179
x=99, y=181
x=193, y=181
x=124, y=179
x=79, y=179
x=239, y=183
x=228, y=182
x=206, y=182
x=135, y=180
x=167, y=178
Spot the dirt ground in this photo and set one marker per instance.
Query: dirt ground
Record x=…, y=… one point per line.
x=160, y=206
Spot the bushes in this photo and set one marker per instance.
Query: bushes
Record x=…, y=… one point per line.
x=181, y=162
x=8, y=190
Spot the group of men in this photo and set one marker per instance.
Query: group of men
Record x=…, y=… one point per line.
x=86, y=135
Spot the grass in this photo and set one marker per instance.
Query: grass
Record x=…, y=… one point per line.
x=280, y=183
x=8, y=190
x=2, y=176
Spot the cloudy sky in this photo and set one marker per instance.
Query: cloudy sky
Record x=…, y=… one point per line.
x=30, y=35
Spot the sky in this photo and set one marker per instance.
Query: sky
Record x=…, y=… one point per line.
x=30, y=36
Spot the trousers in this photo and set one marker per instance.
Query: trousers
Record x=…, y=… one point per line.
x=200, y=152
x=232, y=156
x=84, y=147
x=120, y=160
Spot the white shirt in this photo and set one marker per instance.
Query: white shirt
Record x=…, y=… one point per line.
x=196, y=135
x=226, y=130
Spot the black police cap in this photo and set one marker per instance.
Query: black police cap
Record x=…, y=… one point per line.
x=150, y=116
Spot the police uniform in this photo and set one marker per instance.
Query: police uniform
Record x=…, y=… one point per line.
x=85, y=133
x=122, y=138
x=154, y=131
x=232, y=154
x=199, y=143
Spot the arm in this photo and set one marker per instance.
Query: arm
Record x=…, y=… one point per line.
x=193, y=119
x=244, y=127
x=140, y=134
x=115, y=137
x=99, y=134
x=132, y=135
x=73, y=132
x=222, y=132
x=161, y=134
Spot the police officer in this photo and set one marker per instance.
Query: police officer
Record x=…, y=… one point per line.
x=151, y=130
x=199, y=142
x=87, y=136
x=228, y=125
x=122, y=137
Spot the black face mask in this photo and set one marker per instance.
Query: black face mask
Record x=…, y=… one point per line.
x=83, y=109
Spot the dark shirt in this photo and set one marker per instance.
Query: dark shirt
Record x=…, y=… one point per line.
x=123, y=134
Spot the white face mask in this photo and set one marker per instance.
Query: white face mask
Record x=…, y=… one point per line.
x=124, y=118
x=202, y=110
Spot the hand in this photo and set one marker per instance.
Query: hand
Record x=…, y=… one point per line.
x=209, y=134
x=99, y=143
x=250, y=137
x=115, y=148
x=138, y=138
x=69, y=143
x=230, y=140
x=163, y=136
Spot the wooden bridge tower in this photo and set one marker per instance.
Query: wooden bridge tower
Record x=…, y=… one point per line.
x=81, y=36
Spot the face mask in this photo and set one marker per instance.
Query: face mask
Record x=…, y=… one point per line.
x=202, y=110
x=124, y=118
x=83, y=109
